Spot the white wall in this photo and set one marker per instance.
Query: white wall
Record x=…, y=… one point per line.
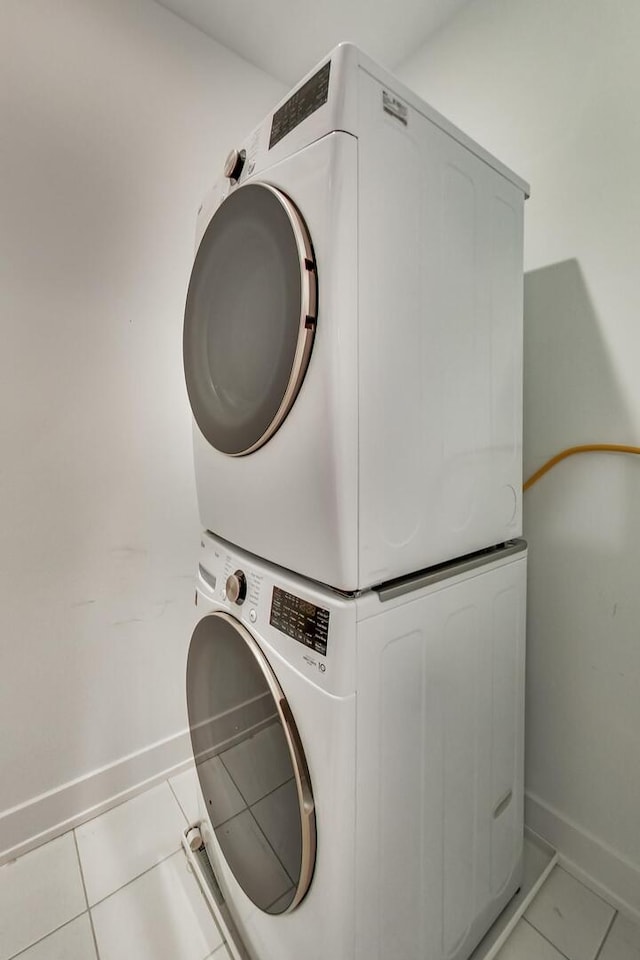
x=115, y=118
x=553, y=88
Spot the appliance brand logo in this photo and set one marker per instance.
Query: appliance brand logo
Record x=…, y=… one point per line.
x=322, y=667
x=395, y=108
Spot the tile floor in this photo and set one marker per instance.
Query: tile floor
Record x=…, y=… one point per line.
x=119, y=888
x=253, y=800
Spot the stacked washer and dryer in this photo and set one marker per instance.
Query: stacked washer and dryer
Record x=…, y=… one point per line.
x=355, y=685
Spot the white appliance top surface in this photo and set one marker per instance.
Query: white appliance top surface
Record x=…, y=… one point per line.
x=350, y=54
x=369, y=602
x=343, y=113
x=285, y=39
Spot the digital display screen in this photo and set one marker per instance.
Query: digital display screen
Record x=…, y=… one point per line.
x=305, y=101
x=304, y=621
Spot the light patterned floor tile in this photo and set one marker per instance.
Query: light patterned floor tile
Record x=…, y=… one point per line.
x=573, y=918
x=38, y=893
x=525, y=943
x=623, y=941
x=151, y=910
x=160, y=916
x=259, y=764
x=185, y=787
x=124, y=842
x=74, y=941
x=220, y=954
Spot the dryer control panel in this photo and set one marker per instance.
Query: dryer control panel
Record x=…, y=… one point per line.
x=306, y=100
x=304, y=621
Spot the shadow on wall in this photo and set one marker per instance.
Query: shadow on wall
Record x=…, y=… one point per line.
x=571, y=393
x=582, y=521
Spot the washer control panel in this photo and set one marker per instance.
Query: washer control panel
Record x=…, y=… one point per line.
x=304, y=621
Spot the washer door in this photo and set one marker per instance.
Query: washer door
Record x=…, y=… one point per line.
x=250, y=318
x=250, y=765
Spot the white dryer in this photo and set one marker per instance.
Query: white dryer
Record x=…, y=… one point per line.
x=353, y=336
x=360, y=759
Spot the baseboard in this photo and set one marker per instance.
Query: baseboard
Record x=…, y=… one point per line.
x=51, y=814
x=587, y=858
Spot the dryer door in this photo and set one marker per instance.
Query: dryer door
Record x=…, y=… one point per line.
x=250, y=318
x=250, y=765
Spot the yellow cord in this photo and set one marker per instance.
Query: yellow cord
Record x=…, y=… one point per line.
x=569, y=452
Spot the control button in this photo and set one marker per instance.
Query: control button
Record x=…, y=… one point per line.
x=237, y=587
x=234, y=163
x=253, y=616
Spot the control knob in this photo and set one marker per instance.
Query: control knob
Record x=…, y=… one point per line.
x=236, y=587
x=234, y=163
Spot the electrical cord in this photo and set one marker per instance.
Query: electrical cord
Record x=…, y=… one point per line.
x=570, y=451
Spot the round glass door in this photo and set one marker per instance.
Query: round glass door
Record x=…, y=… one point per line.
x=250, y=318
x=250, y=765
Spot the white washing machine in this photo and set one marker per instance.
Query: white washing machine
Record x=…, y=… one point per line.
x=360, y=758
x=353, y=336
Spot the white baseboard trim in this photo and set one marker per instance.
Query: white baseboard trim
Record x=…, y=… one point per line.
x=587, y=858
x=51, y=814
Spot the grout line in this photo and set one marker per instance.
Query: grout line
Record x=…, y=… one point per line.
x=249, y=809
x=148, y=869
x=294, y=884
x=292, y=887
x=248, y=805
x=545, y=937
x=230, y=775
x=182, y=811
x=21, y=953
x=137, y=877
x=606, y=934
x=260, y=799
x=86, y=898
x=218, y=950
x=562, y=866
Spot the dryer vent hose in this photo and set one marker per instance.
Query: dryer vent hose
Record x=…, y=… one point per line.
x=570, y=451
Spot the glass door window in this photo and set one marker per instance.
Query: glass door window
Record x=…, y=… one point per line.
x=250, y=318
x=250, y=765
